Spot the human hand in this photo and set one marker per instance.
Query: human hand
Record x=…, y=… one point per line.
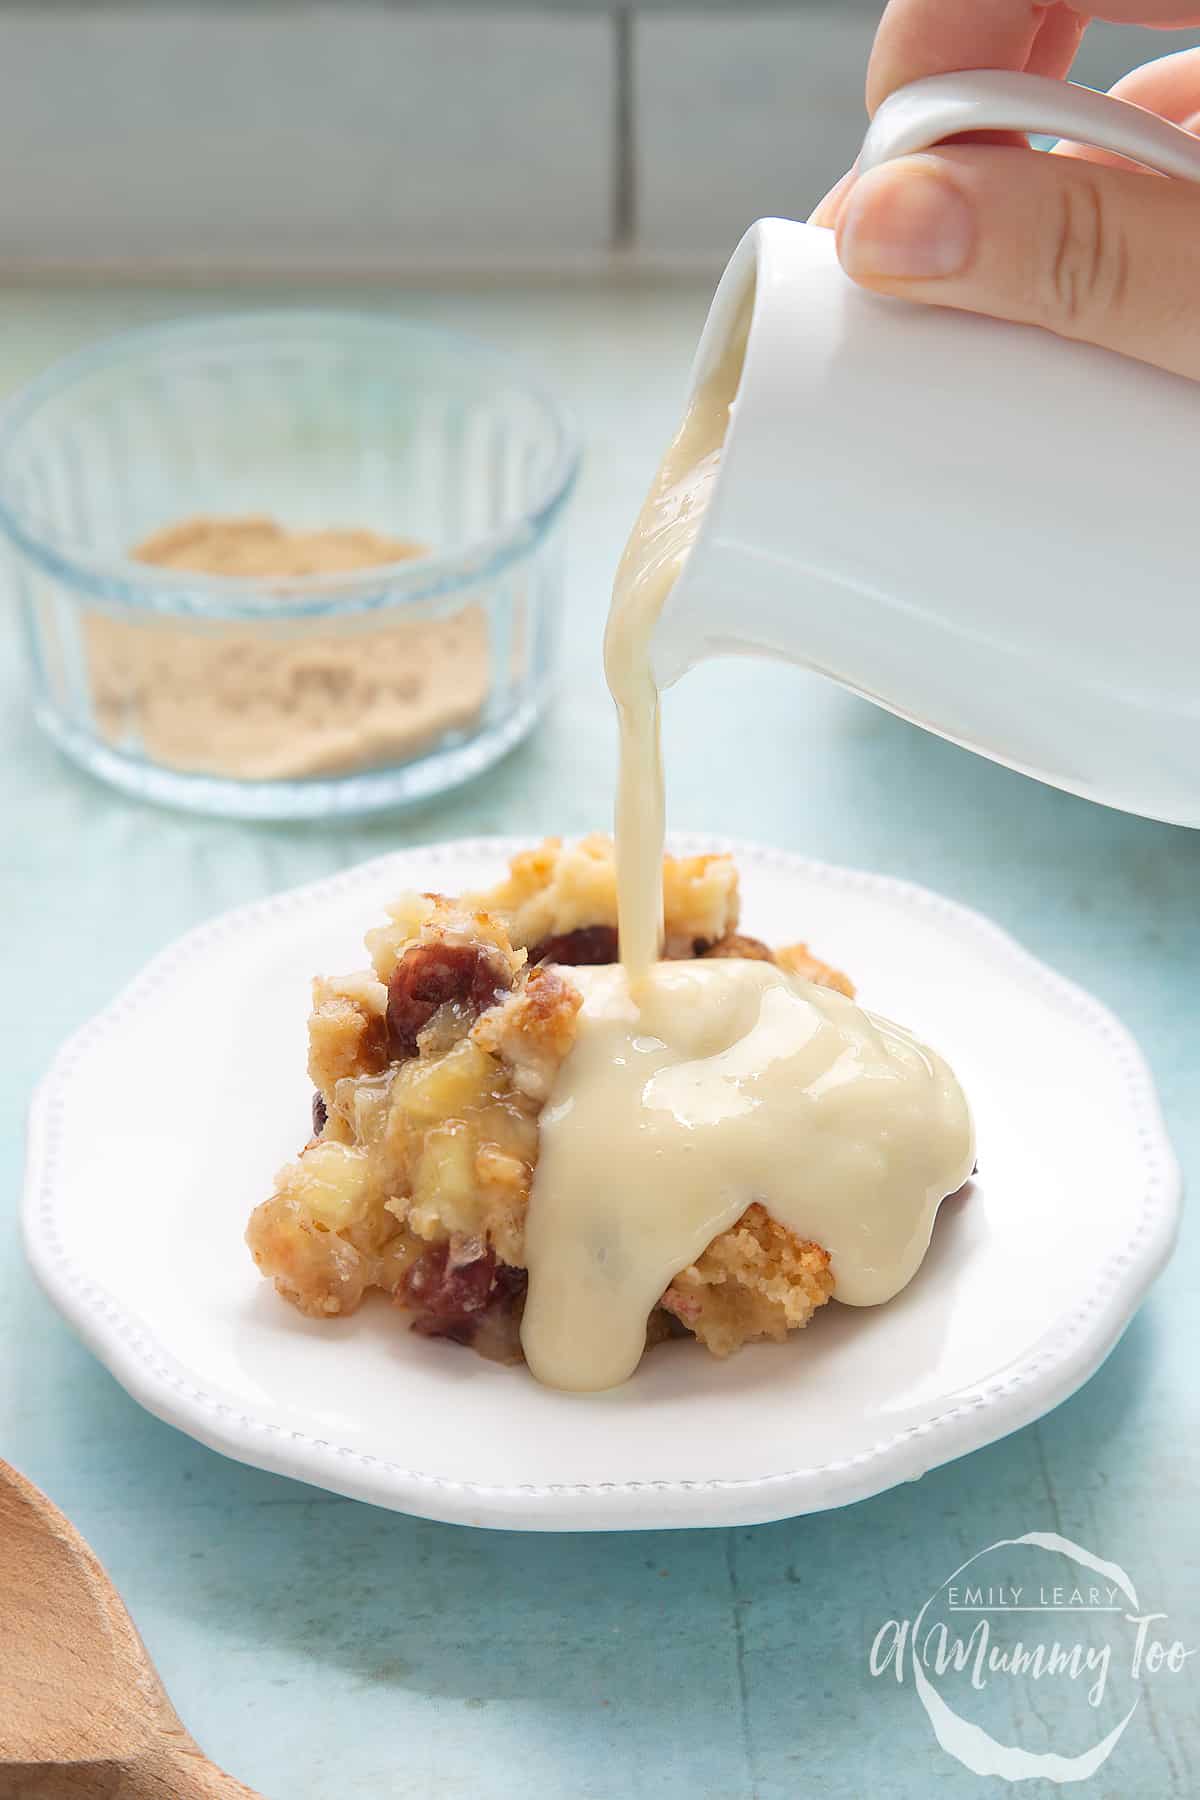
x=1077, y=241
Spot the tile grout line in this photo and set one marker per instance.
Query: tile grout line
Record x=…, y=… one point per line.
x=624, y=198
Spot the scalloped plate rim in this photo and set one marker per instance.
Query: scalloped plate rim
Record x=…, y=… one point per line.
x=1026, y=1391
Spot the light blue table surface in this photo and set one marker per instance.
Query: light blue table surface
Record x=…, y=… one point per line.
x=320, y=1648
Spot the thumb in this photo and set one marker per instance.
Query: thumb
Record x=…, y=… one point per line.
x=1106, y=256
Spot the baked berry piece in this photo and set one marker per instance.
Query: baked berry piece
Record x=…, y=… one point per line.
x=431, y=1068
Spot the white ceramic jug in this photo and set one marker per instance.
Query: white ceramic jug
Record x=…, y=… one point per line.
x=983, y=527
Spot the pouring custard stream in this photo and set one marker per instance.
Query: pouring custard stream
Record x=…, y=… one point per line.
x=695, y=1089
x=654, y=556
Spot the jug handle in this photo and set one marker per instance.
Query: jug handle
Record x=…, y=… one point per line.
x=941, y=106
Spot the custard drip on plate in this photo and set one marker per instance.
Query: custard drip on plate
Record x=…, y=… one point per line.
x=696, y=1090
x=725, y=1083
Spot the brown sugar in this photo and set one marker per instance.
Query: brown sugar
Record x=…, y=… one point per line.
x=257, y=545
x=282, y=698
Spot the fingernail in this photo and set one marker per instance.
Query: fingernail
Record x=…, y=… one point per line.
x=830, y=207
x=906, y=221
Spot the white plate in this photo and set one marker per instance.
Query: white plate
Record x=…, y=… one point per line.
x=162, y=1122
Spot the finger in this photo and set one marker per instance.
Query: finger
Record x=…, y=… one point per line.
x=827, y=210
x=935, y=37
x=1048, y=49
x=1058, y=38
x=1055, y=41
x=1169, y=86
x=1101, y=255
x=1053, y=47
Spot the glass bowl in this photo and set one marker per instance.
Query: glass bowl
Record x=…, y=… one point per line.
x=296, y=695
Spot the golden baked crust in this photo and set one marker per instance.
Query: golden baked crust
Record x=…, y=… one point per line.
x=754, y=1281
x=431, y=1068
x=557, y=889
x=798, y=959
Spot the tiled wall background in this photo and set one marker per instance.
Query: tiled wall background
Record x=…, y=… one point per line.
x=362, y=136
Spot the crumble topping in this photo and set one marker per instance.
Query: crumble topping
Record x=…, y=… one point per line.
x=755, y=1281
x=558, y=890
x=431, y=1068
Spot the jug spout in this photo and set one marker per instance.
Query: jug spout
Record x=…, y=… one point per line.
x=983, y=528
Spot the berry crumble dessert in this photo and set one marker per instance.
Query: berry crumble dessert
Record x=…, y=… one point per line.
x=431, y=1068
